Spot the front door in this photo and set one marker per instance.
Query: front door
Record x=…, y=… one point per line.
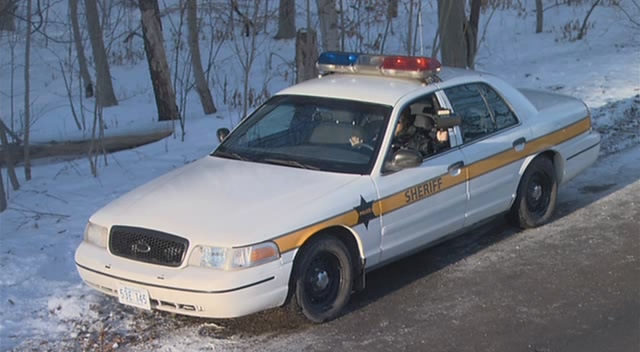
x=422, y=204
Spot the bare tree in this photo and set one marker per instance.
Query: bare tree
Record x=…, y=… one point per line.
x=7, y=10
x=27, y=117
x=68, y=85
x=583, y=29
x=12, y=40
x=410, y=28
x=306, y=54
x=286, y=19
x=472, y=32
x=328, y=17
x=392, y=9
x=77, y=39
x=451, y=20
x=97, y=147
x=106, y=97
x=196, y=61
x=3, y=196
x=246, y=49
x=157, y=60
x=539, y=16
x=8, y=160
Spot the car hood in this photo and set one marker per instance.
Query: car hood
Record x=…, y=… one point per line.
x=222, y=202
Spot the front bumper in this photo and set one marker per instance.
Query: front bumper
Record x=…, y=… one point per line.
x=194, y=291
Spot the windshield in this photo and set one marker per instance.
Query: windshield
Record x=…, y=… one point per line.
x=310, y=132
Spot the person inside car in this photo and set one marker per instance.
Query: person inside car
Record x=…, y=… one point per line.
x=415, y=132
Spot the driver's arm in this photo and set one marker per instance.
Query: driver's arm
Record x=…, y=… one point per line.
x=355, y=141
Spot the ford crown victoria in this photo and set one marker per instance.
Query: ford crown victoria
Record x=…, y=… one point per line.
x=379, y=157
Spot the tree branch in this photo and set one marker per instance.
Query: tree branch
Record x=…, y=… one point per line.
x=42, y=213
x=586, y=18
x=10, y=132
x=37, y=29
x=628, y=15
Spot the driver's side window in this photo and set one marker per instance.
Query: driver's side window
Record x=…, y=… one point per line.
x=416, y=128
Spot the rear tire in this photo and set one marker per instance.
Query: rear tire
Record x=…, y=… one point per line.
x=323, y=279
x=537, y=195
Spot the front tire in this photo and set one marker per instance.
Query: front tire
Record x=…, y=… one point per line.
x=323, y=279
x=537, y=195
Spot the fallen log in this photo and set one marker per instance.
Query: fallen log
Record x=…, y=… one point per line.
x=76, y=149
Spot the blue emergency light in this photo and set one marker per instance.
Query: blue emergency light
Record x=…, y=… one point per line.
x=337, y=58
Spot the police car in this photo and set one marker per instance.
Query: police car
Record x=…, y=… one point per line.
x=288, y=209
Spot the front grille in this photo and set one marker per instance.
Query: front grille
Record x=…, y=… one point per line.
x=147, y=246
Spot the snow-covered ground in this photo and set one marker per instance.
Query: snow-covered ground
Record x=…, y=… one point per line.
x=41, y=295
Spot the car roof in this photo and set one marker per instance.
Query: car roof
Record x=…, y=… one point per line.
x=378, y=89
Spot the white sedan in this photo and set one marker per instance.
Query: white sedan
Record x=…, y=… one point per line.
x=378, y=158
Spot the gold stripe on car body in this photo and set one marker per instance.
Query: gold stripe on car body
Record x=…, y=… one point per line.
x=534, y=146
x=296, y=238
x=426, y=189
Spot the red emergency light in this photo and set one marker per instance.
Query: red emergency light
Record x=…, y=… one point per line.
x=410, y=63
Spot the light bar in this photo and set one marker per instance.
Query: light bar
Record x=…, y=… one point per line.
x=398, y=66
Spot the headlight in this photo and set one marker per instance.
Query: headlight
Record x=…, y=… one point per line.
x=96, y=235
x=234, y=258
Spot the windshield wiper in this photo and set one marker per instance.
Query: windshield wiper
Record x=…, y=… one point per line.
x=230, y=155
x=287, y=162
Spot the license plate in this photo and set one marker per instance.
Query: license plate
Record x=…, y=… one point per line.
x=133, y=296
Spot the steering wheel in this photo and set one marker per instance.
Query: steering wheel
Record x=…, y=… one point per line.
x=363, y=146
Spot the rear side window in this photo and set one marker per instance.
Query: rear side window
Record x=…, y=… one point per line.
x=482, y=110
x=503, y=115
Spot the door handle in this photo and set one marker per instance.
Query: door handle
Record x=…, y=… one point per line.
x=519, y=143
x=456, y=168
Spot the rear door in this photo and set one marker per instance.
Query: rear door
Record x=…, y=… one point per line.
x=493, y=148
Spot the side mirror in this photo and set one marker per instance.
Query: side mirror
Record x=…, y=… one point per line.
x=404, y=159
x=222, y=133
x=446, y=119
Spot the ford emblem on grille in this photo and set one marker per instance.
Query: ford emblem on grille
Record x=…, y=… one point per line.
x=141, y=247
x=147, y=245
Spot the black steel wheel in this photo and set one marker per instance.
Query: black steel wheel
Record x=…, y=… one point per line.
x=323, y=279
x=537, y=195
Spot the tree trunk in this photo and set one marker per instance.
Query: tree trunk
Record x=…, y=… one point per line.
x=77, y=39
x=7, y=9
x=194, y=45
x=472, y=33
x=328, y=17
x=306, y=54
x=8, y=160
x=539, y=18
x=410, y=28
x=3, y=195
x=157, y=60
x=451, y=19
x=392, y=9
x=286, y=19
x=27, y=113
x=106, y=97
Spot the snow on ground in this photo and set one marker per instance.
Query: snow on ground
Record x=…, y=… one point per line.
x=41, y=296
